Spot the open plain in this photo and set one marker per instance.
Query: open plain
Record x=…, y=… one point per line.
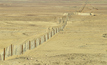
x=82, y=42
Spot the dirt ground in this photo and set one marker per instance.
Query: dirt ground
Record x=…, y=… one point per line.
x=82, y=42
x=19, y=31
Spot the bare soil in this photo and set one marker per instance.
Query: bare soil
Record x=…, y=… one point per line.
x=82, y=42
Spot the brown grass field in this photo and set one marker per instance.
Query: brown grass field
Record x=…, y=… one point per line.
x=82, y=42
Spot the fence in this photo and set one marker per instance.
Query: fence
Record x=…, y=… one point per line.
x=31, y=44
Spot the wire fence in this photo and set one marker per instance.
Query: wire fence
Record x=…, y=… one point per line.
x=31, y=44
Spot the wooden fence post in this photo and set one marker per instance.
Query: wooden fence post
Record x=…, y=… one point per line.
x=11, y=50
x=4, y=54
x=44, y=38
x=35, y=43
x=51, y=33
x=56, y=30
x=22, y=48
x=39, y=41
x=47, y=35
x=0, y=57
x=29, y=45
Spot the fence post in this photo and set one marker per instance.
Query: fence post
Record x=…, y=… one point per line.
x=44, y=38
x=4, y=54
x=29, y=45
x=0, y=57
x=56, y=30
x=11, y=50
x=47, y=36
x=39, y=41
x=22, y=48
x=51, y=33
x=35, y=43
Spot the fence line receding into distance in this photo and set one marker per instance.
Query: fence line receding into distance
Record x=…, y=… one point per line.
x=31, y=44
